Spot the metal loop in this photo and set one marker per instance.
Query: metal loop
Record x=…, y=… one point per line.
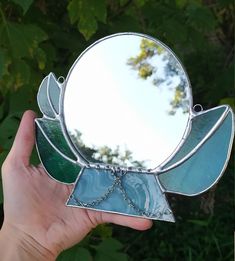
x=61, y=79
x=197, y=108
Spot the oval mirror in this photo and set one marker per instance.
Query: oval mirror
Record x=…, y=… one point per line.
x=126, y=102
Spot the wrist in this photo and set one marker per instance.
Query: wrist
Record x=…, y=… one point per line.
x=18, y=245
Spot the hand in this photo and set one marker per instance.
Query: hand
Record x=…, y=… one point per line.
x=36, y=218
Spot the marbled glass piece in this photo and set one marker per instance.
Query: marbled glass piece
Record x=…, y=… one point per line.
x=54, y=92
x=203, y=169
x=43, y=102
x=120, y=192
x=146, y=194
x=52, y=130
x=201, y=125
x=55, y=164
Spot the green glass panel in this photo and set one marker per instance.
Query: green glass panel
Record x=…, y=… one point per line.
x=203, y=169
x=201, y=125
x=54, y=92
x=55, y=164
x=52, y=130
x=126, y=193
x=43, y=101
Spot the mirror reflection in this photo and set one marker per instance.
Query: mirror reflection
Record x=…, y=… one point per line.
x=127, y=102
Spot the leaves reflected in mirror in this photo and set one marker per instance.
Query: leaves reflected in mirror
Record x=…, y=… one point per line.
x=143, y=63
x=105, y=154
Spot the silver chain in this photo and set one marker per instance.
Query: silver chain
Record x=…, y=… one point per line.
x=118, y=174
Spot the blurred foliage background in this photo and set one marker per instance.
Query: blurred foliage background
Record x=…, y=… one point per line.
x=39, y=36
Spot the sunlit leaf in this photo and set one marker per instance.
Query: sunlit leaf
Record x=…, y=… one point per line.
x=21, y=71
x=87, y=27
x=230, y=101
x=86, y=13
x=98, y=9
x=41, y=58
x=181, y=3
x=73, y=9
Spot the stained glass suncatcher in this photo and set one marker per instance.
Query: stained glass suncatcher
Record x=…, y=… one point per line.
x=123, y=129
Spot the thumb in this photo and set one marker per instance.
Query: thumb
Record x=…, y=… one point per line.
x=24, y=140
x=127, y=221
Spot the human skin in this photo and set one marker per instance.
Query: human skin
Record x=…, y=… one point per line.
x=37, y=224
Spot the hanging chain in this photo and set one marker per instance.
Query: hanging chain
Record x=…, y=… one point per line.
x=118, y=174
x=100, y=199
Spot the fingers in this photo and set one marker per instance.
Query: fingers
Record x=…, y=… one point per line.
x=132, y=222
x=24, y=141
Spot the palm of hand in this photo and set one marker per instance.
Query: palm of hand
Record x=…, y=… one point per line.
x=35, y=204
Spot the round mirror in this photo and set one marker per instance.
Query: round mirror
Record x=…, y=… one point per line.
x=126, y=102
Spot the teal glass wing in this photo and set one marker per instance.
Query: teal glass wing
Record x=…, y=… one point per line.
x=53, y=89
x=126, y=193
x=51, y=129
x=57, y=164
x=203, y=169
x=201, y=125
x=48, y=96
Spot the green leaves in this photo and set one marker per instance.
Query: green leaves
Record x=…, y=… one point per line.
x=181, y=3
x=24, y=4
x=22, y=39
x=229, y=101
x=75, y=253
x=21, y=71
x=8, y=130
x=201, y=17
x=40, y=40
x=2, y=62
x=19, y=44
x=87, y=13
x=109, y=249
